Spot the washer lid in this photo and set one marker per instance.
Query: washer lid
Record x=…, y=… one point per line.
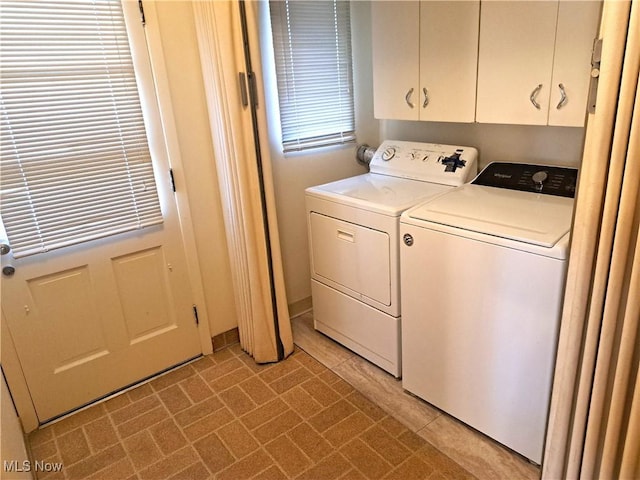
x=379, y=193
x=522, y=216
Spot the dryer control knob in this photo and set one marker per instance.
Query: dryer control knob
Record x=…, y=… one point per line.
x=539, y=178
x=388, y=154
x=408, y=239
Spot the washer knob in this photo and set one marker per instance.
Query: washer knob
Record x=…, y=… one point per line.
x=539, y=178
x=408, y=239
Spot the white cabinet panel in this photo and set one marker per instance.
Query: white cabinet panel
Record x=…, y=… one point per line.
x=395, y=45
x=515, y=56
x=577, y=27
x=448, y=60
x=527, y=49
x=425, y=48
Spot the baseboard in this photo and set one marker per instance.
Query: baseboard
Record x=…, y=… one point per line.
x=226, y=339
x=301, y=306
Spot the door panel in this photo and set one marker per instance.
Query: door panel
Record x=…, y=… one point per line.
x=65, y=304
x=577, y=29
x=145, y=294
x=86, y=322
x=515, y=56
x=396, y=27
x=343, y=253
x=449, y=60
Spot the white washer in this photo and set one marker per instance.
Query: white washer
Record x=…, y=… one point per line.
x=354, y=242
x=483, y=272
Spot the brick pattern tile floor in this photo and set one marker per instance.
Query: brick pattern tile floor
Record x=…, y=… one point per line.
x=225, y=417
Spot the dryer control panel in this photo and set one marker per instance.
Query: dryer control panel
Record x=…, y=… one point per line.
x=428, y=162
x=526, y=177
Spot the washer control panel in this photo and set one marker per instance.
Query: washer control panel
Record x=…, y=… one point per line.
x=545, y=179
x=428, y=162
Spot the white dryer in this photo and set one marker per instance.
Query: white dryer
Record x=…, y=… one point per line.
x=353, y=227
x=483, y=272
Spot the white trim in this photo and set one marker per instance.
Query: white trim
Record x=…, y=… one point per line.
x=217, y=30
x=156, y=55
x=16, y=381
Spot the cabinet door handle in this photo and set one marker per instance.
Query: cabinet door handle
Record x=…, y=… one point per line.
x=533, y=96
x=407, y=98
x=563, y=97
x=426, y=97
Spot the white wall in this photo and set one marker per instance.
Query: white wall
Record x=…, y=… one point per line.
x=297, y=171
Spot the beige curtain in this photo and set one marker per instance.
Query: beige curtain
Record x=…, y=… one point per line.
x=594, y=423
x=263, y=316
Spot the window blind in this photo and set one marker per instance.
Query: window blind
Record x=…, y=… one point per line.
x=75, y=163
x=312, y=47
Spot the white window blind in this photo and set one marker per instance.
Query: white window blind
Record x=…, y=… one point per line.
x=75, y=163
x=312, y=46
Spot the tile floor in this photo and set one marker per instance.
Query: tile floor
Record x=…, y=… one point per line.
x=324, y=413
x=476, y=453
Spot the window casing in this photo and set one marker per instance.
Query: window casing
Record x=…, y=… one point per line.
x=75, y=162
x=312, y=52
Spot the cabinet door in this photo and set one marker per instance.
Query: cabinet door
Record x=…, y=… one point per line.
x=515, y=57
x=577, y=28
x=448, y=60
x=395, y=37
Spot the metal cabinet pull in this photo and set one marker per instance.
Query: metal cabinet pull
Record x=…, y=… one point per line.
x=563, y=97
x=426, y=97
x=533, y=96
x=407, y=98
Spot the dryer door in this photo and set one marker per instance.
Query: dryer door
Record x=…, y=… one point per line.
x=351, y=258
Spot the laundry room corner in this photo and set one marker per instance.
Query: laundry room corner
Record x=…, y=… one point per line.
x=293, y=172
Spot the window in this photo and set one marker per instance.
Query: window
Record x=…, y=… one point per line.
x=75, y=163
x=312, y=43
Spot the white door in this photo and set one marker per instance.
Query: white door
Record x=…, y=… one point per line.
x=92, y=318
x=89, y=320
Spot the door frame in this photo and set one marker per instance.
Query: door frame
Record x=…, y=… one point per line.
x=10, y=363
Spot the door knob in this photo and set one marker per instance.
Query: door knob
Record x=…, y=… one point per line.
x=8, y=271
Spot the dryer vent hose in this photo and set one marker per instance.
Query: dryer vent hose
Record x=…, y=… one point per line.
x=365, y=154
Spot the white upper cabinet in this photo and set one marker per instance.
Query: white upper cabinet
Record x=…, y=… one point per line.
x=577, y=28
x=449, y=60
x=530, y=53
x=396, y=51
x=425, y=58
